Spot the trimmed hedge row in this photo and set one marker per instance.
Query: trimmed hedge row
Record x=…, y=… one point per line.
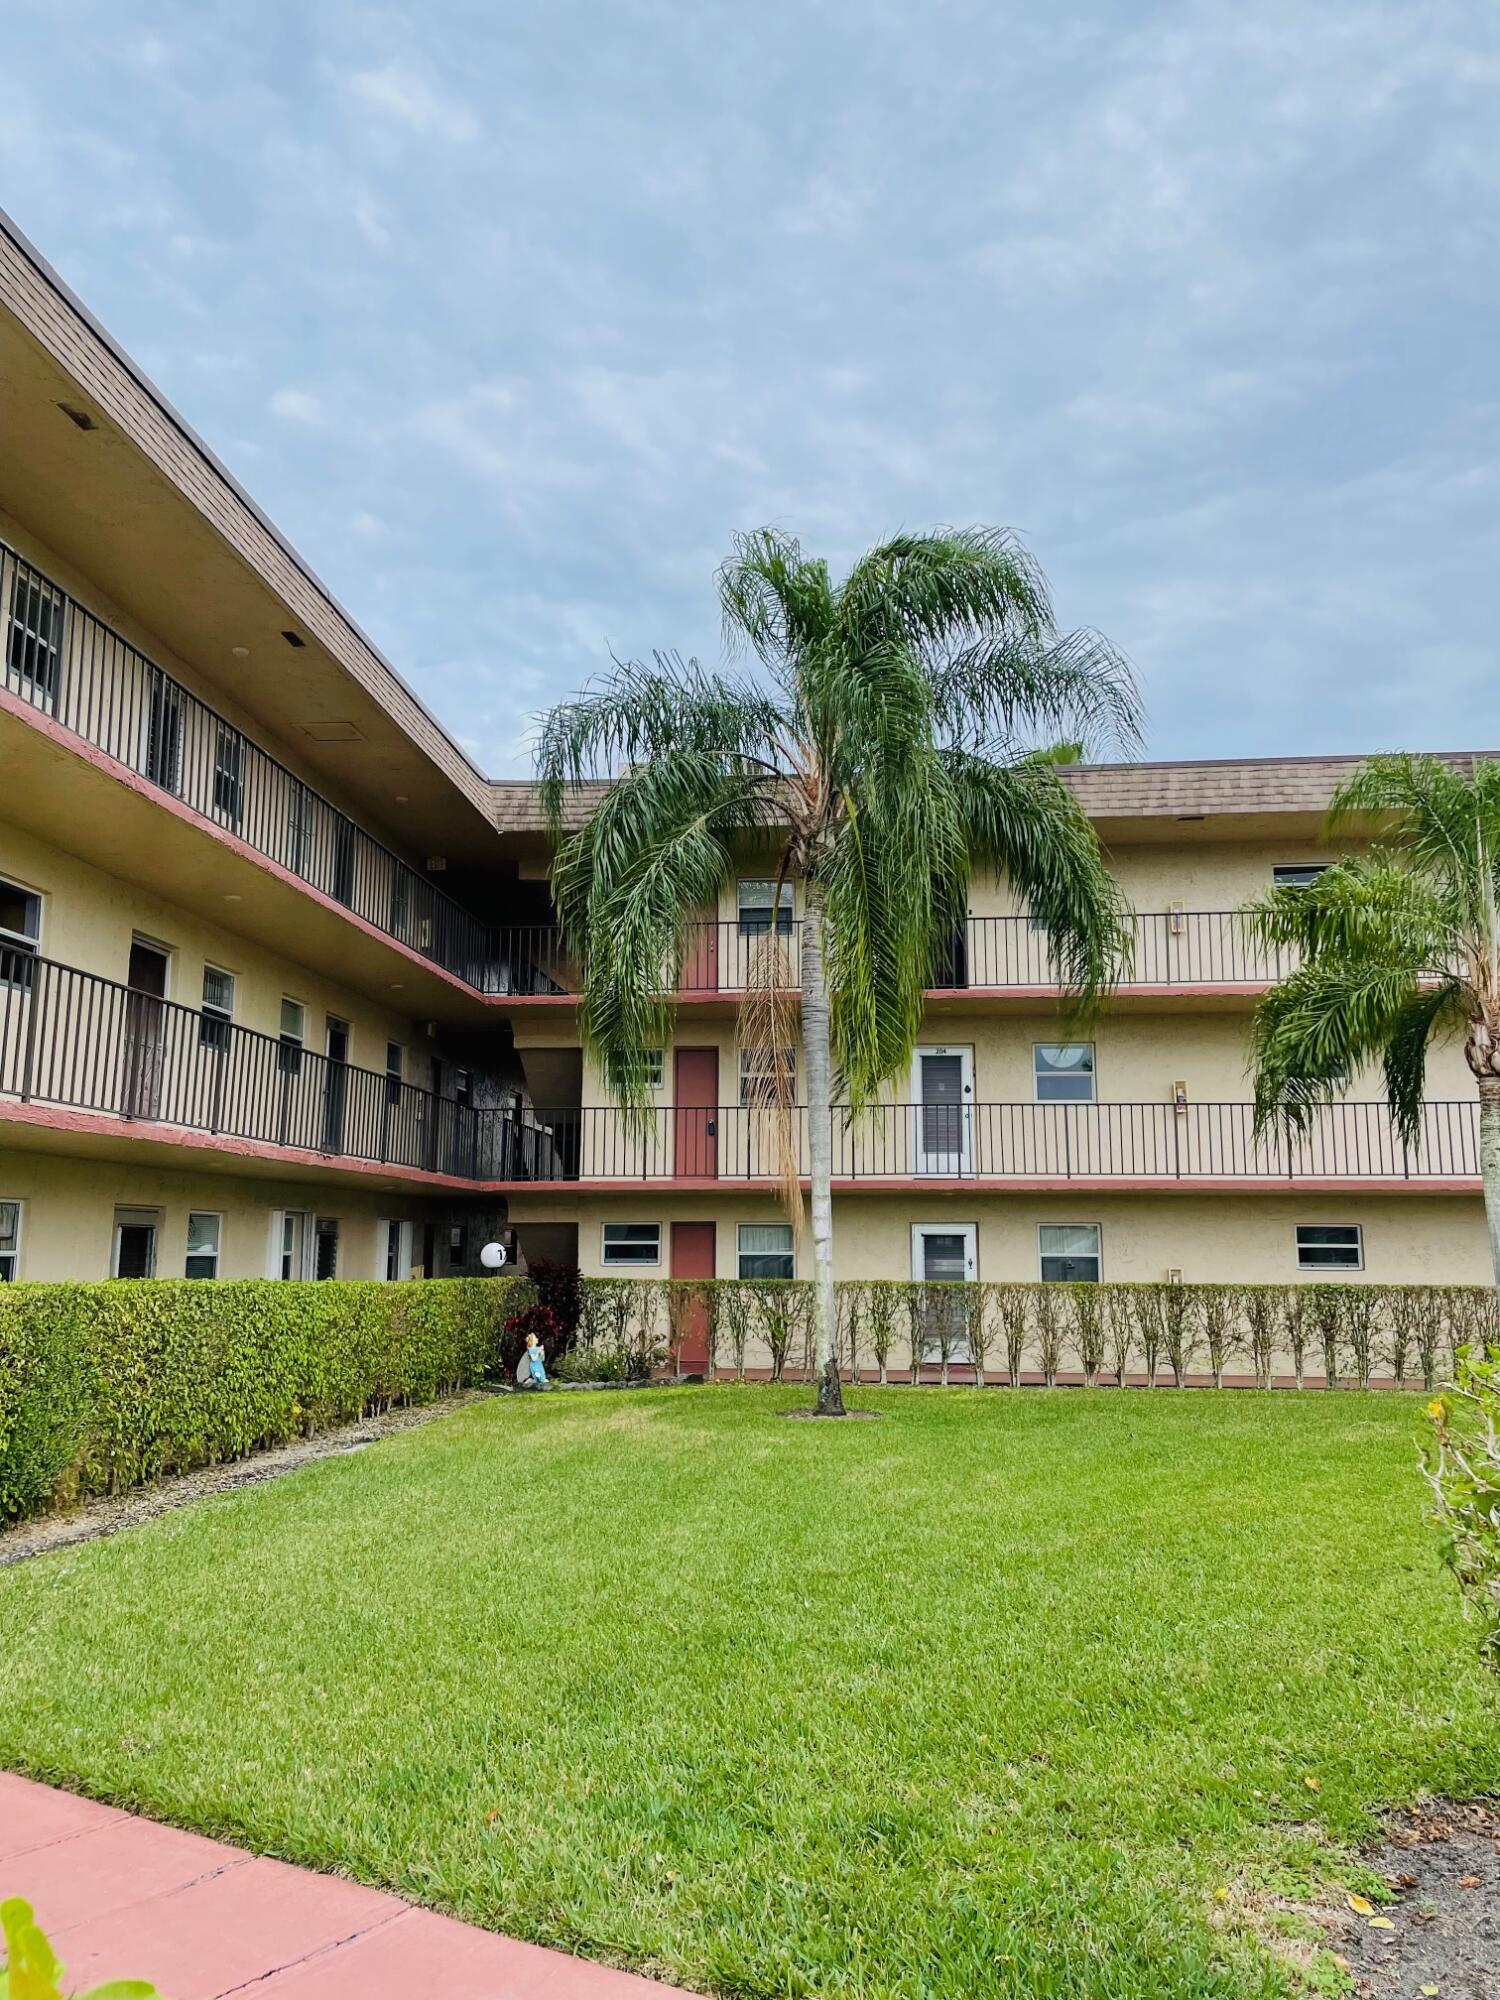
x=105, y=1385
x=1004, y=1331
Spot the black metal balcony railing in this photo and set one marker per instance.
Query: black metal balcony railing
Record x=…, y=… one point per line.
x=1170, y=948
x=71, y=1039
x=74, y=1040
x=61, y=660
x=911, y=1142
x=67, y=664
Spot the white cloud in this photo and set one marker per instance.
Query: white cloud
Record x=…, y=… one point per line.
x=399, y=91
x=296, y=406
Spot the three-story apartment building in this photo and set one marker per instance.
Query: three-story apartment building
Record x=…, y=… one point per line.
x=280, y=994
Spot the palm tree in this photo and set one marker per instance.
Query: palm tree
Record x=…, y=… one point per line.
x=1399, y=948
x=882, y=752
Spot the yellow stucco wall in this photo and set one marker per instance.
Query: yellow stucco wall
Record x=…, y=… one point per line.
x=89, y=917
x=68, y=1214
x=1245, y=1238
x=1139, y=1055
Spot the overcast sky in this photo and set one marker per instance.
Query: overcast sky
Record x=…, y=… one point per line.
x=512, y=314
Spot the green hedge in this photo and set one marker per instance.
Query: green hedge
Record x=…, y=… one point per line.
x=103, y=1386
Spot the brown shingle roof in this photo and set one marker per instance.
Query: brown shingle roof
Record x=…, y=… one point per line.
x=1209, y=786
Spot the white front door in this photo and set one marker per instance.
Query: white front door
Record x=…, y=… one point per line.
x=942, y=1093
x=944, y=1253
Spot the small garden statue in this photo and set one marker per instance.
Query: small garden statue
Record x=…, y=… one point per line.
x=531, y=1369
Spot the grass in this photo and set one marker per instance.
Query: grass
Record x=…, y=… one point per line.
x=1005, y=1695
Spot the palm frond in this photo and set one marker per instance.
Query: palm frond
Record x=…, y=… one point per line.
x=638, y=712
x=1313, y=1030
x=775, y=599
x=1022, y=818
x=1361, y=906
x=944, y=589
x=630, y=885
x=1405, y=1061
x=1078, y=683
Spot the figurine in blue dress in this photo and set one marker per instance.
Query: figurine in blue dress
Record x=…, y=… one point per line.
x=531, y=1369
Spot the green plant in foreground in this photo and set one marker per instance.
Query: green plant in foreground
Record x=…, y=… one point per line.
x=887, y=750
x=1462, y=1463
x=1399, y=949
x=32, y=1971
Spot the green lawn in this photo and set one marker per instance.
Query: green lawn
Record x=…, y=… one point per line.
x=1006, y=1694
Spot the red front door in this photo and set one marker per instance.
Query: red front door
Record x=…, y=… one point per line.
x=700, y=966
x=693, y=1257
x=696, y=1095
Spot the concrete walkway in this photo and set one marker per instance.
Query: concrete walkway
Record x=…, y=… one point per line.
x=125, y=1898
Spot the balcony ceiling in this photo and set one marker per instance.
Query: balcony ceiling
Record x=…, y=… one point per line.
x=103, y=504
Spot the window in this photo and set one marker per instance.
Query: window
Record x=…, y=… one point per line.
x=395, y=1250
x=1064, y=1072
x=33, y=647
x=1069, y=1253
x=293, y=1030
x=229, y=773
x=342, y=886
x=202, y=1244
x=326, y=1247
x=289, y=1243
x=458, y=1245
x=400, y=899
x=632, y=1243
x=1297, y=874
x=135, y=1243
x=757, y=903
x=10, y=1240
x=394, y=1061
x=20, y=933
x=758, y=1076
x=299, y=815
x=650, y=1061
x=218, y=1008
x=463, y=1088
x=1330, y=1246
x=765, y=1250
x=164, y=733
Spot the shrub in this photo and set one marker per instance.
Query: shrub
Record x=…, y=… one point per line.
x=1265, y=1312
x=1147, y=1305
x=1218, y=1309
x=1462, y=1462
x=1047, y=1317
x=1088, y=1324
x=559, y=1287
x=1121, y=1334
x=1013, y=1303
x=1179, y=1330
x=882, y=1303
x=1325, y=1307
x=105, y=1385
x=31, y=1970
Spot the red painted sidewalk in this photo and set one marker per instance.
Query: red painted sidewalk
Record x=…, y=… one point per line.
x=125, y=1898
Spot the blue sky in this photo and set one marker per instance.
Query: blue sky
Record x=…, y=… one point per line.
x=511, y=315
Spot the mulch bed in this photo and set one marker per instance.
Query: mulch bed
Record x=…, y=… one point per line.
x=1443, y=1861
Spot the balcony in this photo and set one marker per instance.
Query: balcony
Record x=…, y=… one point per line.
x=1158, y=1146
x=65, y=669
x=1172, y=952
x=87, y=1063
x=84, y=1058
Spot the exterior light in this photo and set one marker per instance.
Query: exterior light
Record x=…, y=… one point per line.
x=1177, y=920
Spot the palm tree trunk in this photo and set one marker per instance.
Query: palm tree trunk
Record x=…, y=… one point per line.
x=820, y=1152
x=1489, y=1162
